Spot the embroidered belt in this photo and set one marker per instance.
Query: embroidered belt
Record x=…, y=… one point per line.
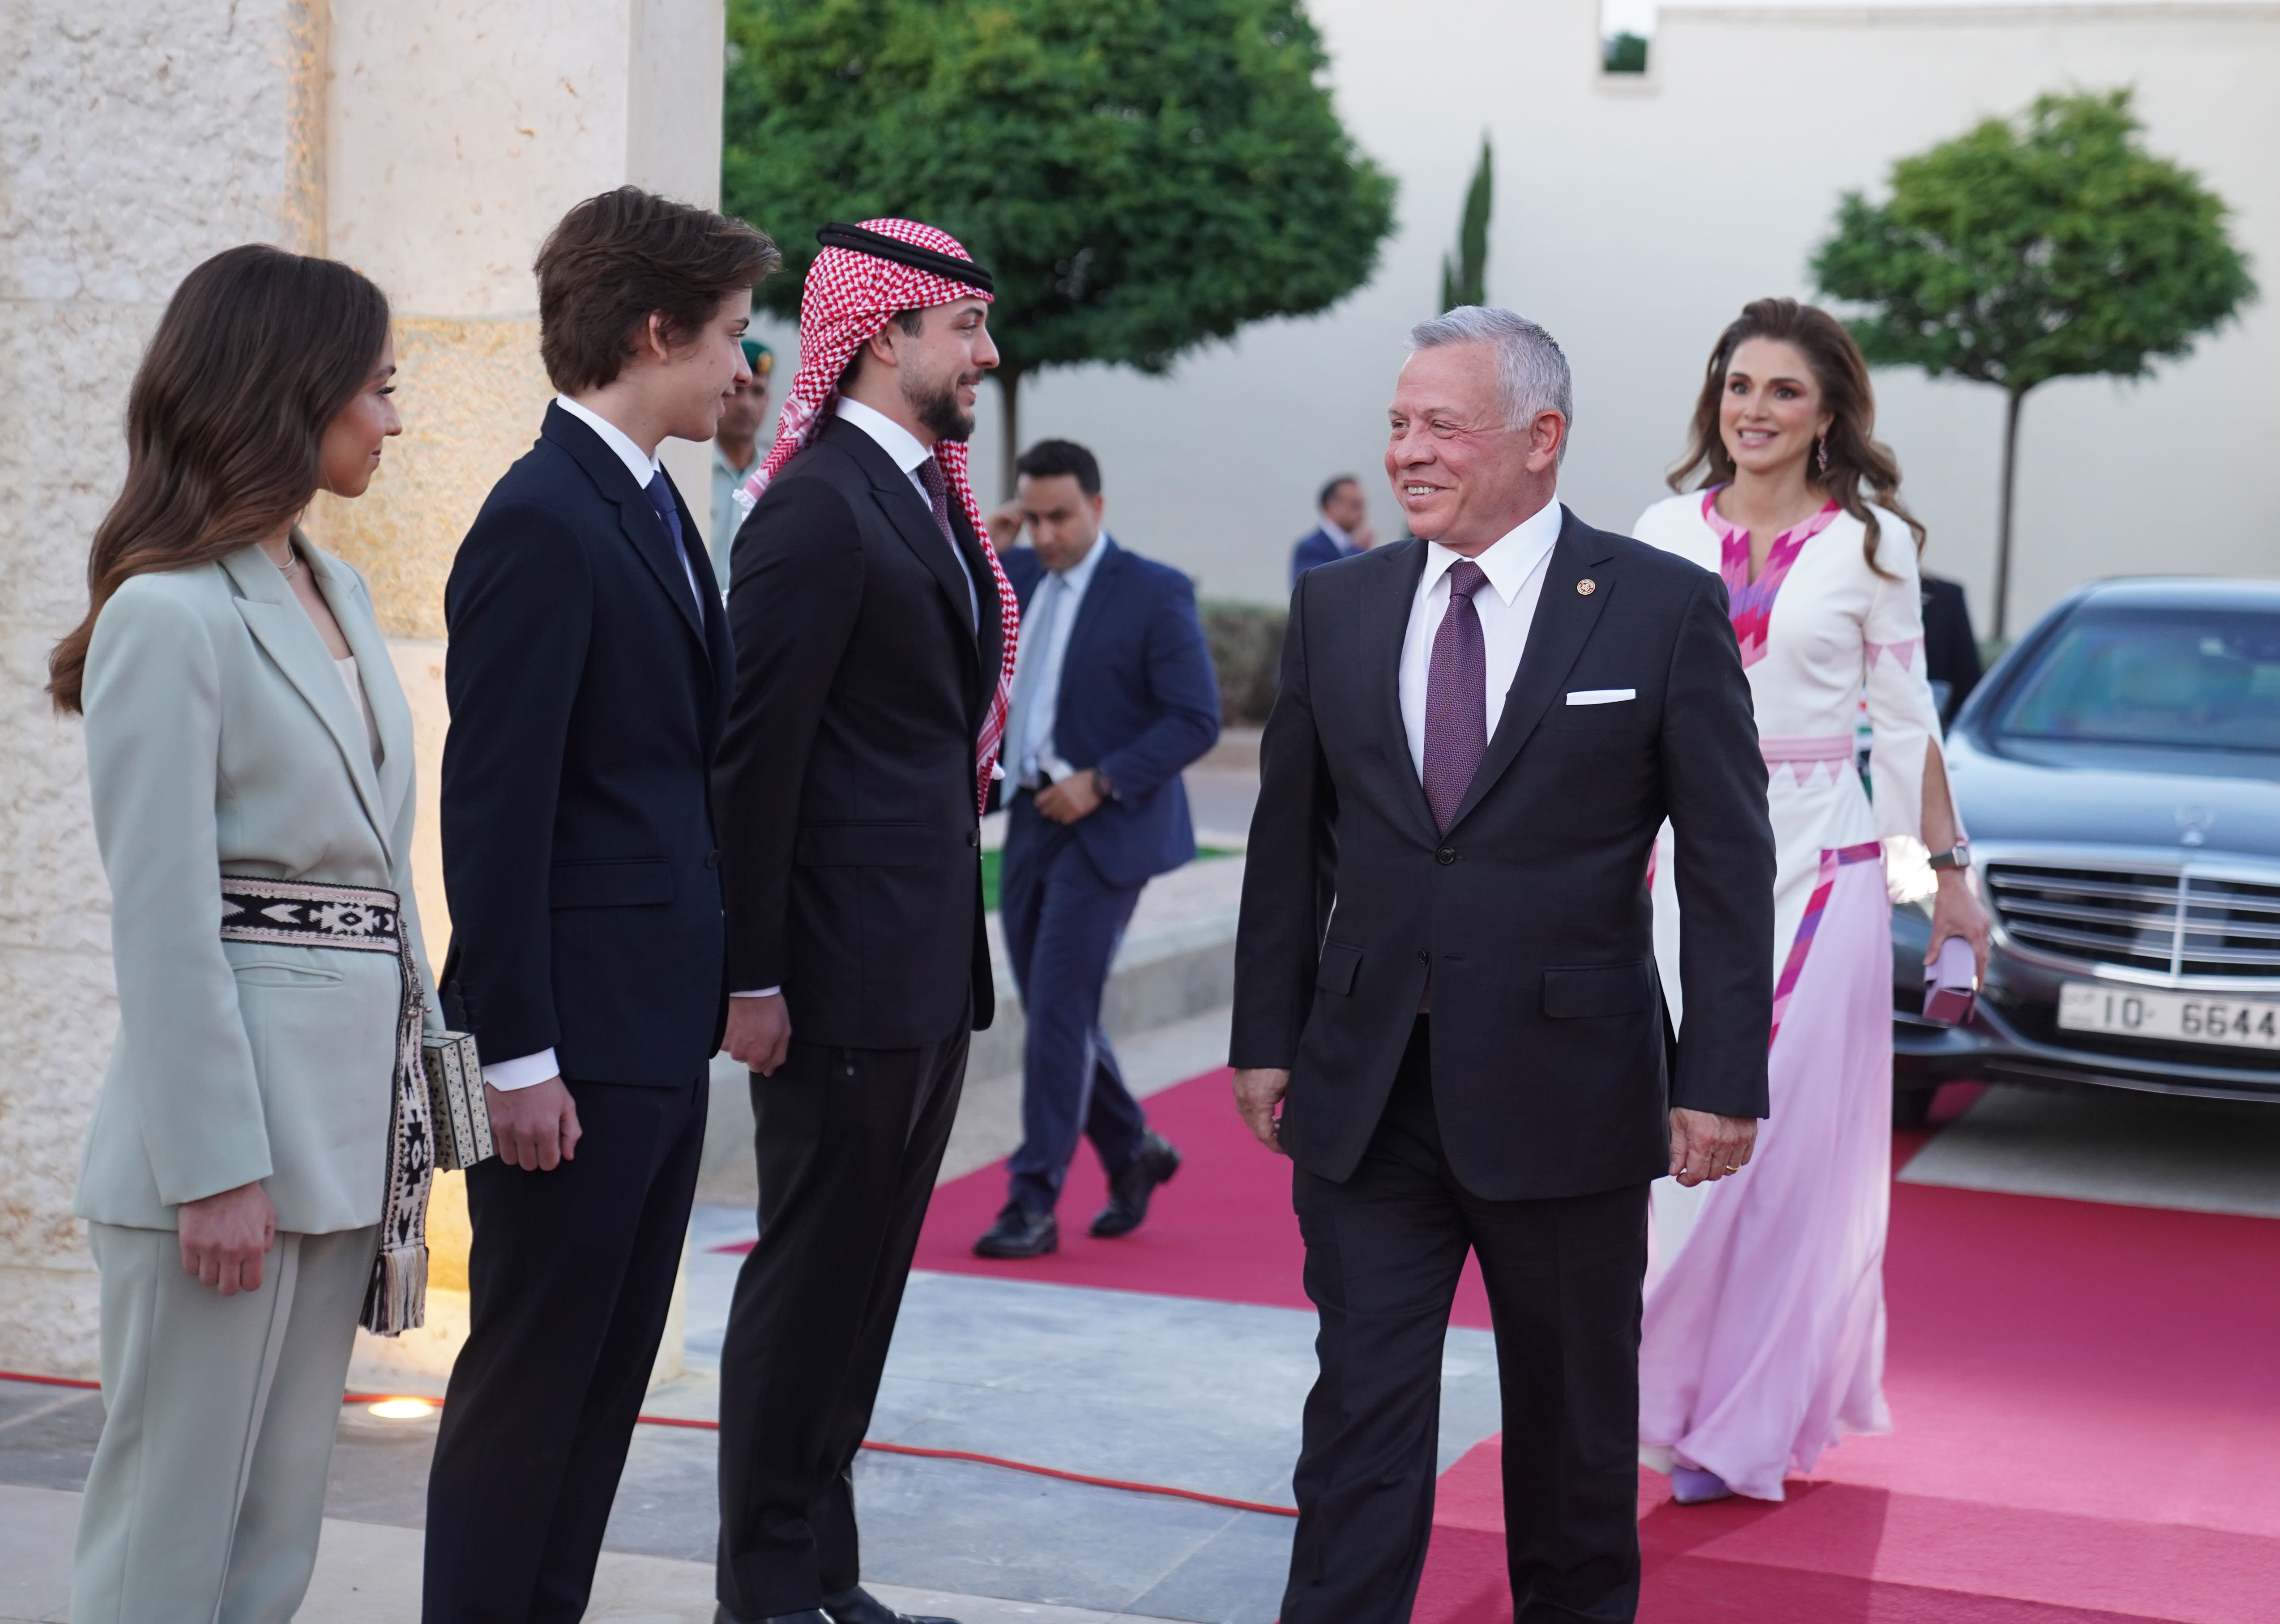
x=298, y=913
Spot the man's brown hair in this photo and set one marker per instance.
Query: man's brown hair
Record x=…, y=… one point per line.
x=619, y=259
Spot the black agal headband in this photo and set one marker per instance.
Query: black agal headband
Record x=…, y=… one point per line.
x=879, y=246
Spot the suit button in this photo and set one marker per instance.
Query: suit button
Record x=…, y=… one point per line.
x=974, y=837
x=1446, y=854
x=1424, y=957
x=712, y=860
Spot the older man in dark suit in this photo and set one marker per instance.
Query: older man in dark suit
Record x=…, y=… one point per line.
x=1113, y=696
x=1445, y=974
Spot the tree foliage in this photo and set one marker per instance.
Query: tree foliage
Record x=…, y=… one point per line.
x=1142, y=176
x=2049, y=246
x=1465, y=281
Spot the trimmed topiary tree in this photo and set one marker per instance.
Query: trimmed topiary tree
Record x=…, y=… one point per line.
x=2049, y=246
x=1142, y=176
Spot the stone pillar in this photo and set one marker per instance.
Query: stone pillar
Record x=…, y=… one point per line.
x=135, y=140
x=430, y=143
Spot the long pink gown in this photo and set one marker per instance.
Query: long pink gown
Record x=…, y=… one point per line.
x=1764, y=1336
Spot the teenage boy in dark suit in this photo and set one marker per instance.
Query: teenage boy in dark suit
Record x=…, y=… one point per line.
x=589, y=675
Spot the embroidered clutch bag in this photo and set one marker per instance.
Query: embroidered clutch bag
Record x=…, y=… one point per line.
x=455, y=1096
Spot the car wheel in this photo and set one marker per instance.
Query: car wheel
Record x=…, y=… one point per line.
x=1912, y=1106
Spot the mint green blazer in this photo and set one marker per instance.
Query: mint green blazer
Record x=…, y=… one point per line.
x=221, y=739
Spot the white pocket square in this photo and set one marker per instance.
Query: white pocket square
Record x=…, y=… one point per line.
x=1602, y=695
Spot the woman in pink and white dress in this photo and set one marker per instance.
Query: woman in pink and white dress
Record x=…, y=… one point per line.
x=1764, y=1334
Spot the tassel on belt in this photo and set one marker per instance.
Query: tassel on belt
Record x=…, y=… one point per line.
x=301, y=913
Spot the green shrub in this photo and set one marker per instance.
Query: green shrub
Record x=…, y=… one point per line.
x=1246, y=645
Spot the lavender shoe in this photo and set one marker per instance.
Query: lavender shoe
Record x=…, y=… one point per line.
x=1694, y=1486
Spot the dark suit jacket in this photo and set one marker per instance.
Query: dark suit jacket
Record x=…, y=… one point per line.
x=850, y=836
x=1311, y=551
x=586, y=688
x=1950, y=652
x=1137, y=700
x=1550, y=1072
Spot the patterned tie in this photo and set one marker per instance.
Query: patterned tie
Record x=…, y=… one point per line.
x=1456, y=698
x=938, y=485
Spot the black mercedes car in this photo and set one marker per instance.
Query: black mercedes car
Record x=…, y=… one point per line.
x=2119, y=776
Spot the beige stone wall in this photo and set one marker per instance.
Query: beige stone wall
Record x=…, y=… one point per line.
x=430, y=142
x=508, y=112
x=1636, y=214
x=135, y=140
x=472, y=393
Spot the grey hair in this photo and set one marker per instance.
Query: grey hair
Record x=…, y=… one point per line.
x=1531, y=372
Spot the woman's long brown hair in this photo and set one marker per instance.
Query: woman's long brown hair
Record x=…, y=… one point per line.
x=1856, y=457
x=258, y=352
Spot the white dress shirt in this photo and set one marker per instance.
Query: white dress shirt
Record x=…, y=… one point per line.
x=1514, y=565
x=528, y=1070
x=1035, y=753
x=908, y=452
x=1339, y=534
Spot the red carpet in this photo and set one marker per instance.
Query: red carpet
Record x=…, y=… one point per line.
x=2086, y=1405
x=1222, y=1230
x=2086, y=1402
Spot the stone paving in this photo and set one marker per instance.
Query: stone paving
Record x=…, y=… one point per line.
x=1171, y=1391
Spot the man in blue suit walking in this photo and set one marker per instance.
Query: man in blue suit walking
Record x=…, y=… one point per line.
x=1113, y=696
x=1344, y=530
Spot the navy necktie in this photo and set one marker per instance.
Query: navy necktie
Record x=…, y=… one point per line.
x=669, y=510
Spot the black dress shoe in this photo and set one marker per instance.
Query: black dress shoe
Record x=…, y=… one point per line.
x=1018, y=1233
x=859, y=1607
x=1130, y=1191
x=812, y=1615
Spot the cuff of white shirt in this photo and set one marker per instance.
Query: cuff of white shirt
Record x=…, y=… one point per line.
x=526, y=1072
x=765, y=992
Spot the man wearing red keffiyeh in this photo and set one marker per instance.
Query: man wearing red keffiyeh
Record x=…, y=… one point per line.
x=875, y=636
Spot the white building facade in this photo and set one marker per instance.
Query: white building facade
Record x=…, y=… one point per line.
x=1636, y=214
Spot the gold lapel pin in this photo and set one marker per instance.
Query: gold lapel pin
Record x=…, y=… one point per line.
x=1586, y=587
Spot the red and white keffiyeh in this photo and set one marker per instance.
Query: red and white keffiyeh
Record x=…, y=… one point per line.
x=849, y=297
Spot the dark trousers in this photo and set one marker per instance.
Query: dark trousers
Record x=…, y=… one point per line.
x=1063, y=922
x=569, y=1278
x=1384, y=1253
x=849, y=1142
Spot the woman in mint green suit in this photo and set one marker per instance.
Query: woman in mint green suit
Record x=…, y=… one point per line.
x=245, y=727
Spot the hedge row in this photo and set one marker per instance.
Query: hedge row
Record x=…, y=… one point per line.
x=1246, y=645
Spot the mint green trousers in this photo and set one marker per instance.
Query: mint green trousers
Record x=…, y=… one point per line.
x=207, y=1494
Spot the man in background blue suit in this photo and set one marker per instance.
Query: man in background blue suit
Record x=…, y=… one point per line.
x=1344, y=530
x=1113, y=696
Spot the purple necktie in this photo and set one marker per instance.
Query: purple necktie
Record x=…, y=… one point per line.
x=937, y=484
x=1456, y=698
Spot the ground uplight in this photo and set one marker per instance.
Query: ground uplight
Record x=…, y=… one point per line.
x=404, y=1409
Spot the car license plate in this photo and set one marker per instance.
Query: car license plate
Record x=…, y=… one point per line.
x=2170, y=1017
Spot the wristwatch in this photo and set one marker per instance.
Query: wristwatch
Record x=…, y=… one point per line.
x=1103, y=785
x=1958, y=856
